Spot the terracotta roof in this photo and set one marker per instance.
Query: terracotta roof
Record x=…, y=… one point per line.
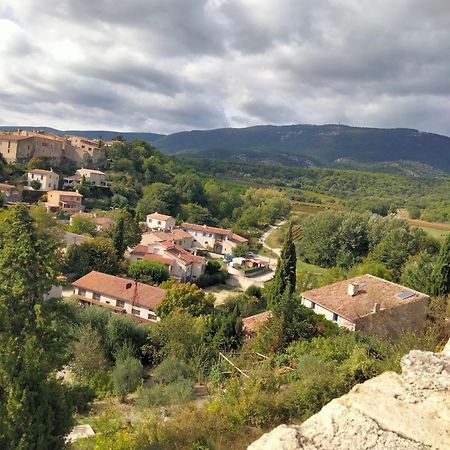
x=7, y=187
x=159, y=258
x=334, y=297
x=140, y=249
x=14, y=137
x=110, y=285
x=174, y=234
x=253, y=323
x=178, y=252
x=42, y=172
x=98, y=172
x=158, y=216
x=215, y=230
x=68, y=193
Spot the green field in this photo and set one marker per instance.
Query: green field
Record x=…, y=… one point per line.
x=437, y=234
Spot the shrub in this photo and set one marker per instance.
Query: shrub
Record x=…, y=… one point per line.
x=79, y=396
x=172, y=369
x=127, y=376
x=166, y=394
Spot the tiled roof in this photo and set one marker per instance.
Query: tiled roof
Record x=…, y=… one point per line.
x=98, y=172
x=68, y=193
x=195, y=227
x=174, y=234
x=158, y=216
x=178, y=252
x=159, y=258
x=116, y=287
x=7, y=187
x=42, y=172
x=253, y=323
x=334, y=297
x=140, y=249
x=238, y=239
x=14, y=137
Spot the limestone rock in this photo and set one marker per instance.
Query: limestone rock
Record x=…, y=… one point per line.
x=410, y=411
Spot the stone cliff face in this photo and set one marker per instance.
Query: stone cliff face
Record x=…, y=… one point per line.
x=410, y=411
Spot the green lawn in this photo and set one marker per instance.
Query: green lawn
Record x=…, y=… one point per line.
x=306, y=267
x=438, y=234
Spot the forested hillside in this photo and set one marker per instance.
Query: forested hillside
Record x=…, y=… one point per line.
x=303, y=145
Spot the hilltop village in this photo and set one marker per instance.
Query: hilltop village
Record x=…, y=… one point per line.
x=160, y=292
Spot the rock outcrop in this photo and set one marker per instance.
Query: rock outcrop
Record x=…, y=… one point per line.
x=410, y=411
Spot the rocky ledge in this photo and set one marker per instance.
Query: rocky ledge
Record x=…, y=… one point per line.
x=410, y=411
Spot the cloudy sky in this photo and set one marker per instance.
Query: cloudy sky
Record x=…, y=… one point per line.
x=172, y=65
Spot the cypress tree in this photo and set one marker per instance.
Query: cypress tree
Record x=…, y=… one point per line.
x=285, y=277
x=118, y=237
x=441, y=272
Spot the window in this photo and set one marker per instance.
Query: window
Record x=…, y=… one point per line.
x=96, y=296
x=81, y=291
x=151, y=316
x=313, y=305
x=335, y=317
x=205, y=234
x=159, y=222
x=120, y=303
x=135, y=311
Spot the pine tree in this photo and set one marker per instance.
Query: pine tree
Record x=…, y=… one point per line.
x=441, y=273
x=34, y=413
x=286, y=272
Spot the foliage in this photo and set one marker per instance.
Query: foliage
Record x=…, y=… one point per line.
x=240, y=250
x=33, y=338
x=118, y=237
x=172, y=369
x=166, y=394
x=188, y=298
x=83, y=225
x=127, y=376
x=147, y=271
x=94, y=254
x=441, y=271
x=417, y=272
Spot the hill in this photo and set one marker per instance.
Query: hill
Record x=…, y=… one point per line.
x=93, y=134
x=305, y=145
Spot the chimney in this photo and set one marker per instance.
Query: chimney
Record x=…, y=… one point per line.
x=376, y=308
x=352, y=289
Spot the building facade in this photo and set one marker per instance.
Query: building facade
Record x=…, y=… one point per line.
x=64, y=200
x=158, y=221
x=10, y=193
x=49, y=180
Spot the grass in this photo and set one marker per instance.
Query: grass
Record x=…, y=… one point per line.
x=306, y=267
x=437, y=234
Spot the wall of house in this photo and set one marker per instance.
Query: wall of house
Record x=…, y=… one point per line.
x=393, y=322
x=8, y=149
x=344, y=323
x=156, y=224
x=137, y=311
x=204, y=239
x=198, y=269
x=228, y=246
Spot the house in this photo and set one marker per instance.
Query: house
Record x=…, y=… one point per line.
x=217, y=240
x=158, y=221
x=121, y=295
x=10, y=193
x=48, y=179
x=93, y=176
x=369, y=304
x=64, y=200
x=22, y=145
x=102, y=223
x=182, y=265
x=251, y=324
x=175, y=235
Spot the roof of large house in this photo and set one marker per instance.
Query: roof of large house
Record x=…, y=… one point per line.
x=158, y=216
x=253, y=323
x=14, y=137
x=7, y=187
x=140, y=249
x=372, y=291
x=122, y=289
x=43, y=172
x=178, y=252
x=68, y=193
x=215, y=230
x=98, y=172
x=159, y=258
x=174, y=234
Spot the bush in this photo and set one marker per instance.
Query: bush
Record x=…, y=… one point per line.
x=80, y=396
x=127, y=376
x=166, y=394
x=172, y=369
x=151, y=272
x=101, y=383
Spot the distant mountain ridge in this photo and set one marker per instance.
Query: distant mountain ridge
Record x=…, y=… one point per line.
x=297, y=145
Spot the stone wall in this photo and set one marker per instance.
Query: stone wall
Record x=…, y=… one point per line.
x=410, y=411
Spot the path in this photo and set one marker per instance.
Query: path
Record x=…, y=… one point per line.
x=264, y=237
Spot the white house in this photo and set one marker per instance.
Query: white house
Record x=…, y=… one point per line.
x=218, y=240
x=49, y=180
x=121, y=295
x=158, y=221
x=175, y=235
x=94, y=177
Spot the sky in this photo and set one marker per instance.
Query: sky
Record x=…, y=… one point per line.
x=174, y=65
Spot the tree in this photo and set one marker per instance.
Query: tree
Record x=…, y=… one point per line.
x=417, y=272
x=131, y=229
x=127, y=376
x=94, y=254
x=191, y=187
x=146, y=271
x=159, y=197
x=34, y=409
x=35, y=184
x=441, y=273
x=240, y=250
x=285, y=277
x=83, y=225
x=188, y=298
x=118, y=238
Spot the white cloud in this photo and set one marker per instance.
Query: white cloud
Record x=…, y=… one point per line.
x=173, y=65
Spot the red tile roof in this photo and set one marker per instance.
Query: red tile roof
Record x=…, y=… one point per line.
x=42, y=172
x=334, y=297
x=140, y=249
x=7, y=187
x=195, y=227
x=68, y=193
x=146, y=296
x=251, y=324
x=159, y=258
x=158, y=216
x=178, y=252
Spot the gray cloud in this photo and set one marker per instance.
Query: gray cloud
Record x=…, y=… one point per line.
x=172, y=65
